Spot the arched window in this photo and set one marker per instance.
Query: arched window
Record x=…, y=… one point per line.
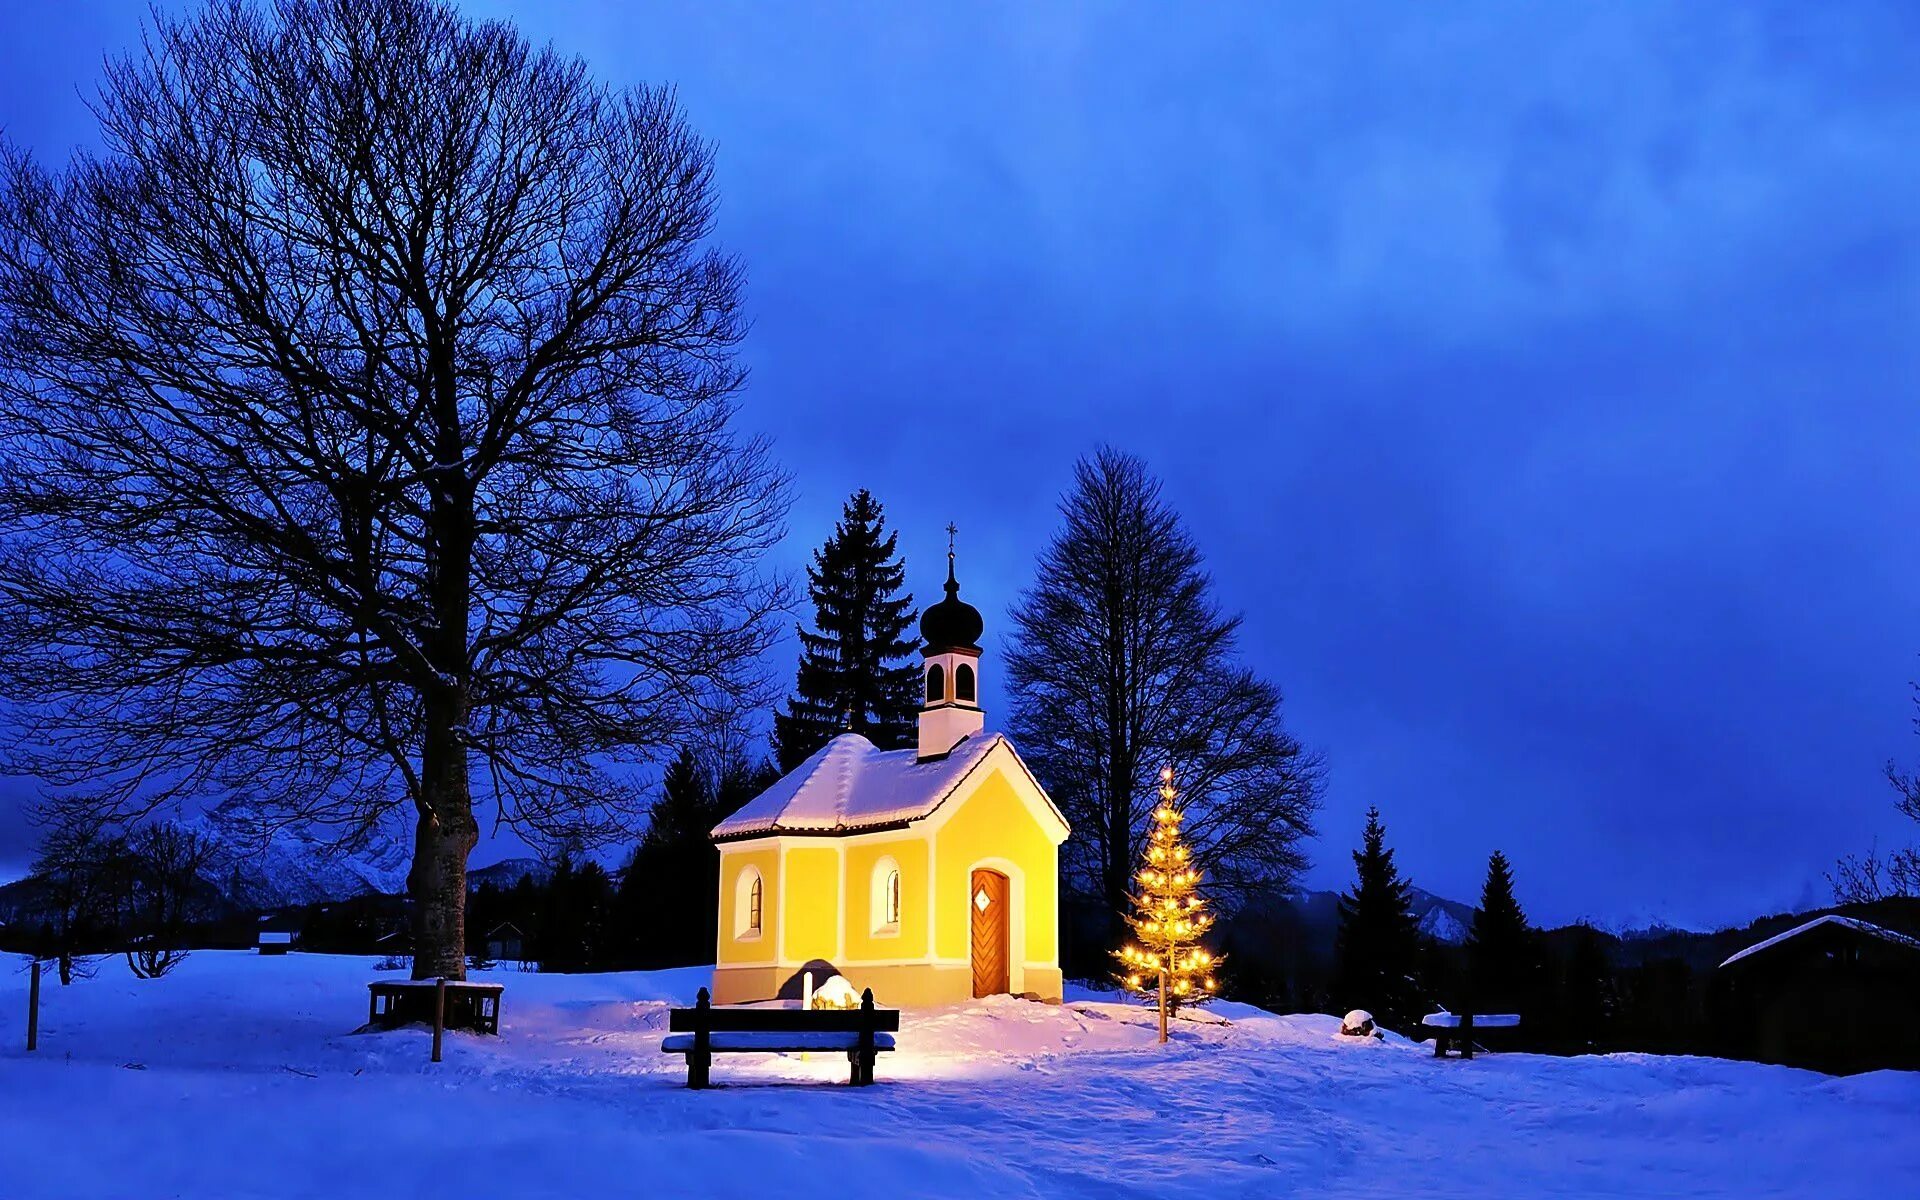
x=963, y=682
x=886, y=896
x=749, y=904
x=936, y=683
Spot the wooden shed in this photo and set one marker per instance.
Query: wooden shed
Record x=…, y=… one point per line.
x=505, y=942
x=1835, y=994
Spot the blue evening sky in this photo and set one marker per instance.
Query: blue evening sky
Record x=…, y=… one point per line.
x=1539, y=380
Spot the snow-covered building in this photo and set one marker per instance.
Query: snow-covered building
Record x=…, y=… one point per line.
x=1835, y=993
x=929, y=874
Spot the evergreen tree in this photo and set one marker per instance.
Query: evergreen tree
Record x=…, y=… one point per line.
x=1168, y=920
x=675, y=870
x=593, y=901
x=569, y=925
x=1587, y=1000
x=853, y=676
x=1379, y=940
x=1500, y=946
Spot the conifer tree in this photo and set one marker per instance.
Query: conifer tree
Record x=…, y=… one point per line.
x=1378, y=942
x=1169, y=918
x=1500, y=946
x=854, y=675
x=558, y=941
x=675, y=870
x=1586, y=1001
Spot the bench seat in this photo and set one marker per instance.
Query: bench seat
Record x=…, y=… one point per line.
x=1457, y=1030
x=1480, y=1020
x=771, y=1042
x=703, y=1031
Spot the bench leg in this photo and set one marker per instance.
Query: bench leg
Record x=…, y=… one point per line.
x=1439, y=1045
x=698, y=1066
x=861, y=1072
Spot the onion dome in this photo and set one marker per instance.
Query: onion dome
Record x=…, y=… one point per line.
x=952, y=624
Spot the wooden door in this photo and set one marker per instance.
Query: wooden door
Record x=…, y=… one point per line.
x=987, y=901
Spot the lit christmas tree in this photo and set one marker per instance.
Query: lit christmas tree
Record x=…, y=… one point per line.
x=1169, y=919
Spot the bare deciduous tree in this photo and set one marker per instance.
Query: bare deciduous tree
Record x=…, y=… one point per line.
x=160, y=890
x=365, y=437
x=1862, y=879
x=1122, y=663
x=73, y=907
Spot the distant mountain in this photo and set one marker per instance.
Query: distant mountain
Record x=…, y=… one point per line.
x=288, y=869
x=300, y=868
x=1442, y=926
x=292, y=867
x=507, y=872
x=1441, y=919
x=1648, y=929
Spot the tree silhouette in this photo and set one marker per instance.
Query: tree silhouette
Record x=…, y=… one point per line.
x=1121, y=660
x=1378, y=942
x=855, y=675
x=365, y=439
x=1502, y=956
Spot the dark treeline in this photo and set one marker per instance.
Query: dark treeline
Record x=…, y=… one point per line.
x=1578, y=989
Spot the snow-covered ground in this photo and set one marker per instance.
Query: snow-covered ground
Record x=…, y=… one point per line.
x=240, y=1076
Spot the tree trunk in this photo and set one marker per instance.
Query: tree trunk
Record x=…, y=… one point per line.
x=444, y=836
x=1120, y=750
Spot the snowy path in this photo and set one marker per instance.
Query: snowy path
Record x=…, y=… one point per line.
x=139, y=1090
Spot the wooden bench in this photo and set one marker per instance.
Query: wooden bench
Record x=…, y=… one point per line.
x=397, y=1002
x=1456, y=1030
x=703, y=1031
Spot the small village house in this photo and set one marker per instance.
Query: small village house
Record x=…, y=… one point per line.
x=276, y=933
x=1836, y=993
x=505, y=942
x=929, y=874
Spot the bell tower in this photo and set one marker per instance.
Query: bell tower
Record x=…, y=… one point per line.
x=950, y=669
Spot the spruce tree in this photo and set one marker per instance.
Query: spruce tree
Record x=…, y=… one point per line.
x=675, y=870
x=560, y=944
x=1500, y=946
x=1378, y=942
x=853, y=674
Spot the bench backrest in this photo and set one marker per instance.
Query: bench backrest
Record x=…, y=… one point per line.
x=703, y=1016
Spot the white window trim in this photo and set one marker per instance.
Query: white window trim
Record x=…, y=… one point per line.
x=886, y=892
x=743, y=929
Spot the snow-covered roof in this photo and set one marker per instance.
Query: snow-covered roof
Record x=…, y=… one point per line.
x=1898, y=939
x=850, y=784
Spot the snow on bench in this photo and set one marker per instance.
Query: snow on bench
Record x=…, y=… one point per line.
x=703, y=1031
x=1456, y=1030
x=1447, y=1020
x=773, y=1042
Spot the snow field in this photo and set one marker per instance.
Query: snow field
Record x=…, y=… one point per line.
x=240, y=1076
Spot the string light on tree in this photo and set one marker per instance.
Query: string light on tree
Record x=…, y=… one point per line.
x=1170, y=917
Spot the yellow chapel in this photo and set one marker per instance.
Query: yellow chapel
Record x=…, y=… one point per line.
x=929, y=874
